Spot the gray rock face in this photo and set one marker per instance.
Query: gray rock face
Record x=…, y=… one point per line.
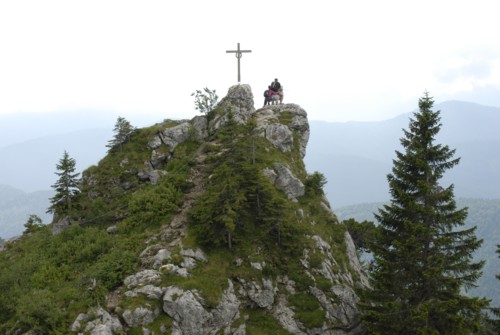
x=268, y=120
x=280, y=136
x=287, y=182
x=150, y=291
x=228, y=309
x=59, y=225
x=187, y=311
x=196, y=254
x=286, y=317
x=240, y=98
x=200, y=125
x=139, y=316
x=104, y=324
x=190, y=315
x=239, y=102
x=175, y=135
x=142, y=278
x=353, y=259
x=287, y=129
x=262, y=296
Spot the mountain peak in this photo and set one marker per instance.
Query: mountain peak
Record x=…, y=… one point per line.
x=204, y=226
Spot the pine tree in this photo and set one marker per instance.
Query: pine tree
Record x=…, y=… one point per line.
x=33, y=224
x=423, y=261
x=496, y=310
x=123, y=129
x=66, y=186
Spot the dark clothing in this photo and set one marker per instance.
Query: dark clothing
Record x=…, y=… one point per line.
x=275, y=85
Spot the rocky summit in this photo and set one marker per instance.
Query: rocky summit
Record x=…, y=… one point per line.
x=210, y=226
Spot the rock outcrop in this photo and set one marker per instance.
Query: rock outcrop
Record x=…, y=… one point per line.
x=166, y=288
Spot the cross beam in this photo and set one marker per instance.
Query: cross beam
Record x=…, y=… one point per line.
x=238, y=53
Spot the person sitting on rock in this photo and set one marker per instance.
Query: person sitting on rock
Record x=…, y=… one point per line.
x=268, y=95
x=275, y=85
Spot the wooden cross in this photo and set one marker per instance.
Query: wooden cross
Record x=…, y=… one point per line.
x=238, y=53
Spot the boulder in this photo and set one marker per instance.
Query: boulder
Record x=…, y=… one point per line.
x=262, y=296
x=142, y=278
x=279, y=135
x=187, y=311
x=287, y=182
x=139, y=316
x=238, y=102
x=175, y=135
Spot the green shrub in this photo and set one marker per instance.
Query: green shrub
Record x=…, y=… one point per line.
x=112, y=268
x=307, y=309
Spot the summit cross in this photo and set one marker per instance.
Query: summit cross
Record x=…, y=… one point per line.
x=238, y=53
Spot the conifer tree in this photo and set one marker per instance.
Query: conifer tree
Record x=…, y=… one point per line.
x=496, y=310
x=33, y=224
x=123, y=129
x=66, y=186
x=423, y=259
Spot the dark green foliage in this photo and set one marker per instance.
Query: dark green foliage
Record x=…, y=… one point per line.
x=238, y=195
x=422, y=261
x=66, y=187
x=363, y=233
x=314, y=183
x=113, y=267
x=152, y=206
x=46, y=280
x=308, y=309
x=239, y=208
x=33, y=224
x=496, y=310
x=123, y=129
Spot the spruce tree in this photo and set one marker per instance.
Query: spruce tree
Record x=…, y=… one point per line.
x=66, y=186
x=423, y=259
x=123, y=129
x=496, y=310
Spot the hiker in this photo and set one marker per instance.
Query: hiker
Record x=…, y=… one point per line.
x=275, y=85
x=268, y=94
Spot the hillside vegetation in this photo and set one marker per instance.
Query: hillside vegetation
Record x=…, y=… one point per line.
x=204, y=226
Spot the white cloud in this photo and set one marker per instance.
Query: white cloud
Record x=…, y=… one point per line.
x=339, y=60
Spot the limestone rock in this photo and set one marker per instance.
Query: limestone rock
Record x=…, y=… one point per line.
x=103, y=324
x=186, y=310
x=59, y=225
x=142, y=278
x=268, y=120
x=262, y=296
x=112, y=229
x=160, y=257
x=285, y=317
x=228, y=309
x=196, y=254
x=150, y=291
x=239, y=102
x=287, y=182
x=139, y=316
x=200, y=126
x=175, y=135
x=77, y=324
x=353, y=259
x=280, y=136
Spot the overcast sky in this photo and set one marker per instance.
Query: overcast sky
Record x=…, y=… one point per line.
x=340, y=60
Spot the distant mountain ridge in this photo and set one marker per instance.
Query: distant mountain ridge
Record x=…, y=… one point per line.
x=30, y=166
x=16, y=206
x=355, y=157
x=359, y=154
